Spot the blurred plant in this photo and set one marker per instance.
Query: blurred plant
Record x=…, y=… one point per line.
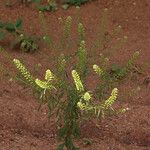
x=51, y=6
x=65, y=38
x=68, y=3
x=46, y=37
x=81, y=32
x=105, y=39
x=22, y=41
x=118, y=72
x=27, y=43
x=26, y=1
x=78, y=14
x=9, y=27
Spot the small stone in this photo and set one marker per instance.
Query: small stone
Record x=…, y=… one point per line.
x=134, y=3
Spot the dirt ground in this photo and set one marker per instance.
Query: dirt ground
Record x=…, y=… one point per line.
x=23, y=127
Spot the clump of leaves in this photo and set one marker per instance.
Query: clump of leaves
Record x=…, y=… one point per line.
x=22, y=41
x=119, y=72
x=10, y=27
x=26, y=43
x=68, y=3
x=116, y=72
x=51, y=6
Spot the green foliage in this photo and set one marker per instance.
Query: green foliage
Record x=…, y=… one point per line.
x=75, y=2
x=2, y=35
x=23, y=41
x=51, y=6
x=10, y=27
x=37, y=1
x=68, y=3
x=120, y=72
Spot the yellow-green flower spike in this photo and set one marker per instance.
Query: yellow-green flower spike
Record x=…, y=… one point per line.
x=81, y=32
x=25, y=73
x=44, y=85
x=61, y=63
x=87, y=96
x=49, y=75
x=97, y=69
x=82, y=46
x=68, y=23
x=112, y=98
x=77, y=81
x=81, y=105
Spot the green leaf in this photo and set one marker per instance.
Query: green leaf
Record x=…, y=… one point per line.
x=2, y=25
x=42, y=8
x=18, y=23
x=36, y=1
x=62, y=132
x=115, y=67
x=69, y=144
x=61, y=146
x=10, y=27
x=2, y=35
x=75, y=2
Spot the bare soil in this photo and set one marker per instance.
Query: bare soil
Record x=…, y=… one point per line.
x=23, y=127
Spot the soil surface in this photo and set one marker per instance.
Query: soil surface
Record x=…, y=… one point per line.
x=23, y=127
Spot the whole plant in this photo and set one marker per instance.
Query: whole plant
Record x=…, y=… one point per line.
x=68, y=98
x=64, y=88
